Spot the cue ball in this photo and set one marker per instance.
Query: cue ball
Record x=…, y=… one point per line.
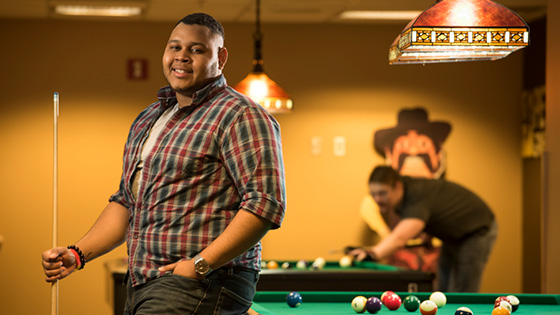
x=439, y=298
x=463, y=311
x=345, y=261
x=514, y=302
x=359, y=304
x=428, y=307
x=294, y=299
x=392, y=302
x=411, y=303
x=373, y=305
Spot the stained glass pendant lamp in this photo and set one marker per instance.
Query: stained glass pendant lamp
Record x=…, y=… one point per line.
x=258, y=86
x=460, y=30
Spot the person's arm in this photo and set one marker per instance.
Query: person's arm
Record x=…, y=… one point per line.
x=405, y=230
x=244, y=231
x=108, y=232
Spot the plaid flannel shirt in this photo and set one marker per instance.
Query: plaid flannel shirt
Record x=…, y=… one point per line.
x=219, y=155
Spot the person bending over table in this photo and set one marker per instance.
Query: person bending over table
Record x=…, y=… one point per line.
x=458, y=217
x=202, y=183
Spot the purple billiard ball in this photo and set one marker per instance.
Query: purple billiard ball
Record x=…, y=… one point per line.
x=373, y=305
x=294, y=299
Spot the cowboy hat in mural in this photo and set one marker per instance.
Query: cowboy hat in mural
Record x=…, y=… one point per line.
x=414, y=146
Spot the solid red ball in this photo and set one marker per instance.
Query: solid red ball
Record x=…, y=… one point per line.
x=386, y=294
x=392, y=302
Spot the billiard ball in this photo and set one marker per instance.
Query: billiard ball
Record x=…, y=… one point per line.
x=385, y=294
x=392, y=302
x=301, y=264
x=373, y=305
x=439, y=298
x=294, y=299
x=428, y=307
x=359, y=304
x=463, y=311
x=345, y=261
x=500, y=298
x=501, y=311
x=319, y=263
x=514, y=302
x=286, y=265
x=411, y=303
x=272, y=265
x=504, y=304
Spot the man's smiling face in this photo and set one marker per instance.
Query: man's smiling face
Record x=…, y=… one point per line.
x=193, y=57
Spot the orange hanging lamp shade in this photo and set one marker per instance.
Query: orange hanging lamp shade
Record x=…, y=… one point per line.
x=460, y=30
x=259, y=87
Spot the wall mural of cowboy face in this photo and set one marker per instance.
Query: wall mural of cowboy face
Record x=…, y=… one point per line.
x=415, y=146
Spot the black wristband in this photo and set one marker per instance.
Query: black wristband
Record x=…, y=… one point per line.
x=83, y=259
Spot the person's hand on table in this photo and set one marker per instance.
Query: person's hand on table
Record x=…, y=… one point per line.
x=360, y=253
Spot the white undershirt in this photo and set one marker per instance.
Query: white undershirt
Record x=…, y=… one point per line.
x=156, y=130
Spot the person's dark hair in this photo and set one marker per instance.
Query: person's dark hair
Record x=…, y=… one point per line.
x=204, y=20
x=384, y=175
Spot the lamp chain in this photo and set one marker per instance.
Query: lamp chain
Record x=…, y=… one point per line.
x=258, y=60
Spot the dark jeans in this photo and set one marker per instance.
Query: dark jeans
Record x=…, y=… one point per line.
x=461, y=264
x=224, y=291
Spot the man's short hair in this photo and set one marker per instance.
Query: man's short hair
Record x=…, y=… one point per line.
x=384, y=175
x=204, y=20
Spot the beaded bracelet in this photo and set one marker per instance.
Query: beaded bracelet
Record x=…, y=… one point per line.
x=77, y=258
x=82, y=261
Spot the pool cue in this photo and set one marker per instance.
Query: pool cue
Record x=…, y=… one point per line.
x=54, y=287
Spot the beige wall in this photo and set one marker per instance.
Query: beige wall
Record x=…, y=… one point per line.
x=342, y=86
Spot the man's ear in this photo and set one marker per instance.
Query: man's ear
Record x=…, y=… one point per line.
x=222, y=57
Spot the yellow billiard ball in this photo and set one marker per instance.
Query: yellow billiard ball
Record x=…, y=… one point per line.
x=359, y=304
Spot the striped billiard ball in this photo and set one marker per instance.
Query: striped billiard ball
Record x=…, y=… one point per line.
x=428, y=307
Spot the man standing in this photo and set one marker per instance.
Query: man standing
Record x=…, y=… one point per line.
x=202, y=183
x=443, y=209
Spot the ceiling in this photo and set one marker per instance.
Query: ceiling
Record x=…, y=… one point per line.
x=272, y=11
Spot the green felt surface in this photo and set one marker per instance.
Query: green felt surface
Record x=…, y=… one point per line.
x=325, y=303
x=334, y=265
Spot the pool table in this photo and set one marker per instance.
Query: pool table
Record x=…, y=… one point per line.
x=362, y=276
x=339, y=303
